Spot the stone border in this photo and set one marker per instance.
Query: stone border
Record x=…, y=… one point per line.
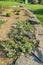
x=33, y=20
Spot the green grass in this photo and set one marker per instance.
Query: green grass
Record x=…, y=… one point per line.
x=7, y=4
x=38, y=10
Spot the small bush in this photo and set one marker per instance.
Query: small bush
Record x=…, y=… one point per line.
x=9, y=14
x=19, y=42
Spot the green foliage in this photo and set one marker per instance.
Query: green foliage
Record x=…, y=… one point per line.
x=9, y=14
x=8, y=48
x=18, y=43
x=15, y=49
x=19, y=35
x=39, y=1
x=13, y=0
x=22, y=29
x=8, y=4
x=42, y=2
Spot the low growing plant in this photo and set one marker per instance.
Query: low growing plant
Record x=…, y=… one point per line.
x=21, y=38
x=18, y=42
x=8, y=48
x=9, y=14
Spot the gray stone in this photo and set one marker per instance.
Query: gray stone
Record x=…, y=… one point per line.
x=34, y=21
x=32, y=18
x=31, y=15
x=38, y=51
x=29, y=34
x=29, y=60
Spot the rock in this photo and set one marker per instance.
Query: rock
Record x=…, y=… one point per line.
x=34, y=21
x=29, y=60
x=38, y=52
x=31, y=15
x=29, y=34
x=32, y=18
x=21, y=7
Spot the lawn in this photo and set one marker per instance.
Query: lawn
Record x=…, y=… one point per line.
x=7, y=4
x=37, y=9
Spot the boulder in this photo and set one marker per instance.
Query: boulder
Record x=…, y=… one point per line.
x=31, y=15
x=27, y=60
x=34, y=21
x=29, y=34
x=38, y=52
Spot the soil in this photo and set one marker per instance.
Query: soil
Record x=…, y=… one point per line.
x=6, y=27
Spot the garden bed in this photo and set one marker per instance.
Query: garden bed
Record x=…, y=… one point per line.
x=10, y=16
x=12, y=37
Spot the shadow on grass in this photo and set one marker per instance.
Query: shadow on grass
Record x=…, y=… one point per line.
x=39, y=14
x=38, y=11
